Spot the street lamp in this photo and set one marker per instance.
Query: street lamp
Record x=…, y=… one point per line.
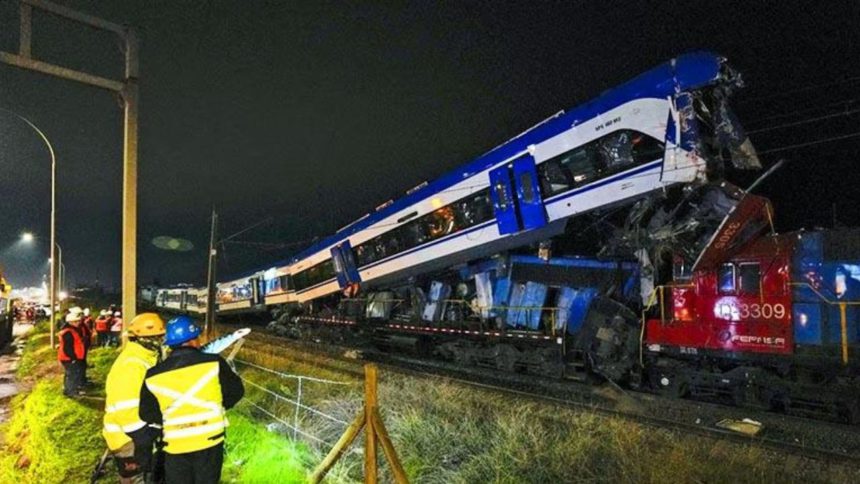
x=53, y=212
x=27, y=237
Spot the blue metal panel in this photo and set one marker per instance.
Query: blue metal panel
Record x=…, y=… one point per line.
x=579, y=309
x=501, y=294
x=526, y=302
x=502, y=195
x=532, y=211
x=807, y=323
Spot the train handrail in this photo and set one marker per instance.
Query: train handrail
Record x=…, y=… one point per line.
x=843, y=315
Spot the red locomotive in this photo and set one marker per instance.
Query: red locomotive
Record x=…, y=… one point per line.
x=762, y=319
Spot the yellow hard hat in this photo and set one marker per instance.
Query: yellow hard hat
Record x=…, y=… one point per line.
x=146, y=324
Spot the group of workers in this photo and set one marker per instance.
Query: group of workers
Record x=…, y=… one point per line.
x=175, y=405
x=76, y=338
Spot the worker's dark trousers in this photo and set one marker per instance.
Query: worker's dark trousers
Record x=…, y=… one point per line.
x=73, y=378
x=201, y=467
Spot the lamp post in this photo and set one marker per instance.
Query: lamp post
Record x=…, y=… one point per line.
x=53, y=215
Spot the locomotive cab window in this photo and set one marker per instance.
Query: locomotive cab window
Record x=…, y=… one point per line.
x=749, y=277
x=726, y=279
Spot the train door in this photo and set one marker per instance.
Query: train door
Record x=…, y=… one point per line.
x=516, y=197
x=344, y=264
x=258, y=290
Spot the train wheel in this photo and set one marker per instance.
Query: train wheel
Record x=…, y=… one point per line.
x=669, y=382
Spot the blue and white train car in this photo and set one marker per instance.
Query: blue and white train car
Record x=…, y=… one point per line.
x=665, y=127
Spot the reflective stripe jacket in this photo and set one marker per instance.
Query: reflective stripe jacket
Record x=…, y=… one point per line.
x=187, y=395
x=71, y=344
x=122, y=394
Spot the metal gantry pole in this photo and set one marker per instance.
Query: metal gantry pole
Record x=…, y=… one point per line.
x=128, y=88
x=129, y=181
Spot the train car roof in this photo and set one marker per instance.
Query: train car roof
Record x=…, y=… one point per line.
x=684, y=72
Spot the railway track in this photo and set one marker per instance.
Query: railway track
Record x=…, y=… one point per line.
x=803, y=444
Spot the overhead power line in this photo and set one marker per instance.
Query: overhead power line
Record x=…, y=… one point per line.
x=804, y=121
x=810, y=143
x=803, y=89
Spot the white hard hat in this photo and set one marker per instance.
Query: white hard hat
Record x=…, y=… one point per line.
x=86, y=311
x=117, y=314
x=103, y=312
x=75, y=310
x=72, y=317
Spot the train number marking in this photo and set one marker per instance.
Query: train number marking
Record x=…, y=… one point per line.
x=762, y=311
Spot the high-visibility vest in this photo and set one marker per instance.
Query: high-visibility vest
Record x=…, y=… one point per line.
x=116, y=326
x=122, y=394
x=79, y=345
x=191, y=407
x=102, y=324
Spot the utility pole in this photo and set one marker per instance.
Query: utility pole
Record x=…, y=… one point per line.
x=127, y=88
x=210, y=278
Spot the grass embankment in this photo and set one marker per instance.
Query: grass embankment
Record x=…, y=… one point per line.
x=54, y=439
x=448, y=433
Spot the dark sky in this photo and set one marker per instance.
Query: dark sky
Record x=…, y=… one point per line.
x=315, y=112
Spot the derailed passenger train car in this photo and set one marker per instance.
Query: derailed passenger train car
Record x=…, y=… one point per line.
x=692, y=297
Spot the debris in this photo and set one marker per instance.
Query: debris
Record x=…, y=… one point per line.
x=746, y=426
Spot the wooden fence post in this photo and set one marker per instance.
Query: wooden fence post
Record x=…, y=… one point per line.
x=369, y=420
x=370, y=471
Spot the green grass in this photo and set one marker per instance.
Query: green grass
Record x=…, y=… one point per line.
x=255, y=455
x=53, y=439
x=444, y=432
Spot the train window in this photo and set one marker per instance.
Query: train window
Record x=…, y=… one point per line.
x=600, y=158
x=749, y=277
x=616, y=151
x=646, y=148
x=726, y=281
x=528, y=191
x=449, y=219
x=285, y=283
x=314, y=275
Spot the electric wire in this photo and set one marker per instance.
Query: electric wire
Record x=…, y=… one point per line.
x=804, y=121
x=810, y=143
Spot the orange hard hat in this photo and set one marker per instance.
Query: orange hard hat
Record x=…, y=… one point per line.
x=146, y=324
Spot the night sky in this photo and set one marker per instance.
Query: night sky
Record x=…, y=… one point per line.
x=313, y=113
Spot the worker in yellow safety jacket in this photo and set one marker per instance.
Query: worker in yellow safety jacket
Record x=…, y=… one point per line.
x=187, y=395
x=128, y=437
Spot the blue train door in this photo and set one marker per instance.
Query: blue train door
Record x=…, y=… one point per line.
x=532, y=212
x=502, y=196
x=516, y=197
x=344, y=264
